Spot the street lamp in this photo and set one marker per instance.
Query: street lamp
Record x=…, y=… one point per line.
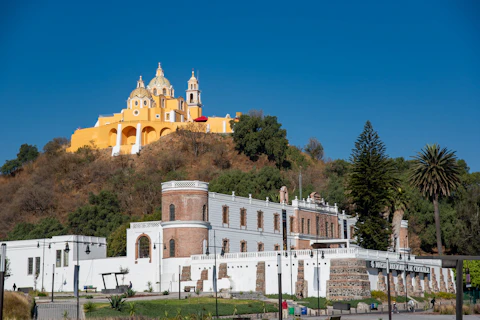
x=77, y=270
x=318, y=278
x=214, y=278
x=159, y=264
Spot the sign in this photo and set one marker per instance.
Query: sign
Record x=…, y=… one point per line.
x=397, y=266
x=284, y=229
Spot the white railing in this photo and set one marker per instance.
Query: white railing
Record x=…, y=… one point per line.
x=233, y=197
x=140, y=225
x=172, y=185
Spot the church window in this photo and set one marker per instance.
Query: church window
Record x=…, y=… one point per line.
x=225, y=214
x=172, y=248
x=181, y=105
x=243, y=246
x=163, y=103
x=155, y=91
x=144, y=102
x=143, y=247
x=167, y=116
x=172, y=212
x=136, y=112
x=164, y=91
x=204, y=213
x=243, y=217
x=136, y=103
x=157, y=116
x=191, y=97
x=191, y=86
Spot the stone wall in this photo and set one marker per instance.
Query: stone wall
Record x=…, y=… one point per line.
x=260, y=282
x=348, y=280
x=301, y=285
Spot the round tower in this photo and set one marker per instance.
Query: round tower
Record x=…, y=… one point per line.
x=184, y=218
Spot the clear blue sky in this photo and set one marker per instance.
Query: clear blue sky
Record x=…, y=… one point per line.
x=322, y=67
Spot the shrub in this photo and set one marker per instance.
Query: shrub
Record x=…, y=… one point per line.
x=149, y=286
x=15, y=306
x=447, y=309
x=42, y=294
x=130, y=293
x=116, y=302
x=89, y=307
x=466, y=310
x=166, y=293
x=379, y=295
x=476, y=309
x=89, y=297
x=132, y=309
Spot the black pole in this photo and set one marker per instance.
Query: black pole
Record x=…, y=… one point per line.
x=53, y=278
x=459, y=301
x=215, y=274
x=318, y=287
x=179, y=280
x=43, y=264
x=388, y=292
x=78, y=283
x=3, y=266
x=279, y=261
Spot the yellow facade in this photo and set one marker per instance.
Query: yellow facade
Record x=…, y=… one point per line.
x=152, y=111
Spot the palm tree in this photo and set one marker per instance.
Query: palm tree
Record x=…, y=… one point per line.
x=435, y=173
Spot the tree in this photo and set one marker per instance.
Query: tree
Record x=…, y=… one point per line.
x=255, y=135
x=27, y=153
x=100, y=218
x=193, y=136
x=314, y=149
x=370, y=183
x=435, y=173
x=54, y=147
x=10, y=167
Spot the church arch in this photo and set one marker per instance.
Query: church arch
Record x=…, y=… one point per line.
x=165, y=131
x=191, y=97
x=112, y=138
x=143, y=248
x=148, y=135
x=129, y=135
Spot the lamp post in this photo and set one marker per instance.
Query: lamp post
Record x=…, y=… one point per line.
x=214, y=277
x=77, y=270
x=3, y=262
x=159, y=263
x=318, y=278
x=279, y=263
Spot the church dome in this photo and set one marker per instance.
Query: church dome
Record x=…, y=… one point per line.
x=140, y=93
x=159, y=83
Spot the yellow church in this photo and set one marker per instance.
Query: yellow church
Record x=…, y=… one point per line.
x=151, y=112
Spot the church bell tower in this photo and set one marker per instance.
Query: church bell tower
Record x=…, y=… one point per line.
x=194, y=99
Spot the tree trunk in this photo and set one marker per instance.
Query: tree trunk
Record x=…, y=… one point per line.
x=437, y=224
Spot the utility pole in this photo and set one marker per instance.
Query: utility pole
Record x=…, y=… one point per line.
x=388, y=292
x=279, y=261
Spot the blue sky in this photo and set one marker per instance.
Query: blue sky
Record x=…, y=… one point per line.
x=322, y=67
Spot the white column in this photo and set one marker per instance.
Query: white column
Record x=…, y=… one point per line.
x=224, y=127
x=116, y=148
x=138, y=140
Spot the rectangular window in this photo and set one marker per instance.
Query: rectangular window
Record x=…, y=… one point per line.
x=303, y=225
x=317, y=224
x=225, y=246
x=308, y=226
x=167, y=116
x=225, y=215
x=243, y=246
x=291, y=224
x=331, y=230
x=260, y=246
x=352, y=232
x=30, y=266
x=58, y=261
x=326, y=229
x=276, y=222
x=260, y=220
x=243, y=217
x=276, y=247
x=37, y=265
x=65, y=258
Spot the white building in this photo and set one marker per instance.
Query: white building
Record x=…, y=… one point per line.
x=249, y=232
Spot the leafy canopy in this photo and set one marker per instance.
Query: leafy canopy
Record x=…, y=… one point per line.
x=26, y=154
x=45, y=228
x=255, y=135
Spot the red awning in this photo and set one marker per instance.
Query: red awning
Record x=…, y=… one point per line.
x=201, y=119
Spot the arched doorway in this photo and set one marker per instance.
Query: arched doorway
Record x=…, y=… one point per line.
x=129, y=135
x=112, y=138
x=148, y=135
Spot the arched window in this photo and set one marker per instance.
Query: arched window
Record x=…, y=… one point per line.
x=191, y=97
x=172, y=248
x=155, y=91
x=172, y=212
x=143, y=247
x=164, y=91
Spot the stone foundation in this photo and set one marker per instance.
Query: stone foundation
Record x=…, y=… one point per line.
x=222, y=271
x=348, y=280
x=301, y=285
x=186, y=273
x=260, y=282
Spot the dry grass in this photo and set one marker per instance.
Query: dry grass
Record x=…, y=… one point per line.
x=16, y=306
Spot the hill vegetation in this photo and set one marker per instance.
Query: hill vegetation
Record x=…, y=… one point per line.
x=89, y=192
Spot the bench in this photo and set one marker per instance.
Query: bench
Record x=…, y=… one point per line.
x=86, y=288
x=189, y=288
x=25, y=290
x=335, y=318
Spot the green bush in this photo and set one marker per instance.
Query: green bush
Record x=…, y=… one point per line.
x=379, y=295
x=166, y=293
x=89, y=307
x=130, y=293
x=116, y=302
x=42, y=294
